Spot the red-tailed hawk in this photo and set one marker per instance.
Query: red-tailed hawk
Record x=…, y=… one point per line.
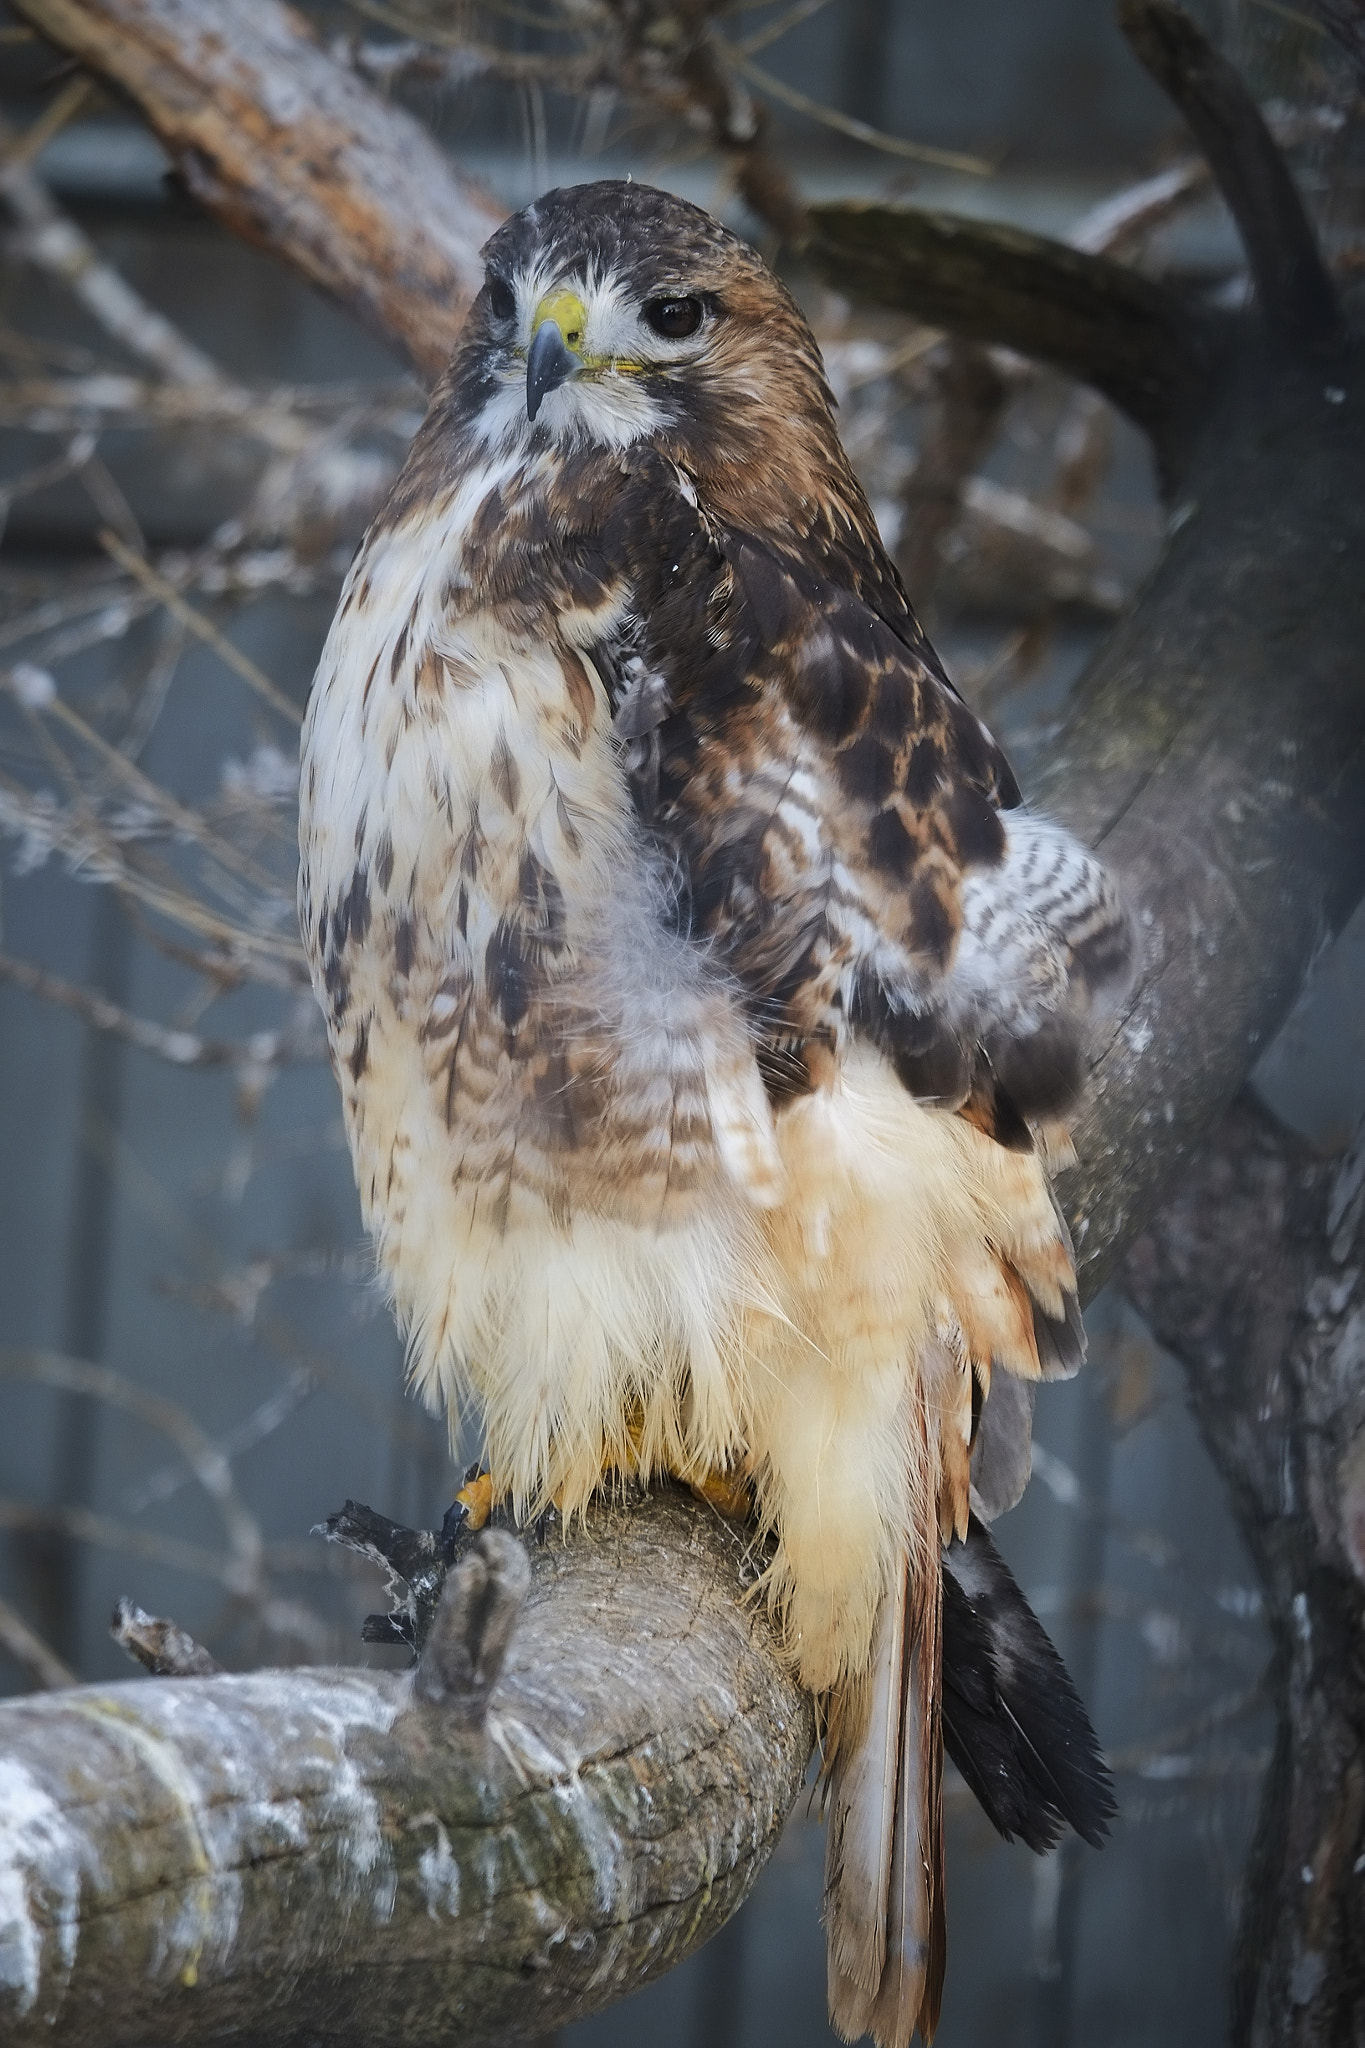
x=701, y=997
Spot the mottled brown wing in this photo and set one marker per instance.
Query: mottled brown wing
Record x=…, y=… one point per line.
x=840, y=819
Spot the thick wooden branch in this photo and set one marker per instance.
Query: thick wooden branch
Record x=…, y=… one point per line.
x=1252, y=1275
x=1214, y=753
x=290, y=150
x=1086, y=315
x=1297, y=297
x=329, y=1855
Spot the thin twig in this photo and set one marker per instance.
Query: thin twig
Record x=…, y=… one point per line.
x=54, y=242
x=103, y=1532
x=773, y=31
x=263, y=1049
x=31, y=1653
x=846, y=124
x=203, y=629
x=35, y=139
x=242, y=1568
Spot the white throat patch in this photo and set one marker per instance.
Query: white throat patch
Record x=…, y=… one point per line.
x=608, y=407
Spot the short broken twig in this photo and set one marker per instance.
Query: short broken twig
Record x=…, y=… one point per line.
x=159, y=1646
x=478, y=1610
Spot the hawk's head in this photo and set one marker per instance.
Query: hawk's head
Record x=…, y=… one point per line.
x=613, y=313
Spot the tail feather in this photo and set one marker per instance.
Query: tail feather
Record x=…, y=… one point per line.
x=1013, y=1722
x=858, y=1847
x=884, y=1852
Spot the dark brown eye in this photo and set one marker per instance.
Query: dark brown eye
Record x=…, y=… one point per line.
x=674, y=319
x=501, y=297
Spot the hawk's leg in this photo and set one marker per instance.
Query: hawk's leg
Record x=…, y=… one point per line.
x=473, y=1504
x=727, y=1489
x=730, y=1493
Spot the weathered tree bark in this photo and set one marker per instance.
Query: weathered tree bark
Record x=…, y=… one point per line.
x=309, y=1856
x=1253, y=1275
x=291, y=150
x=1216, y=754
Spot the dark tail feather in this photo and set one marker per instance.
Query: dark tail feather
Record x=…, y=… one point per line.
x=1013, y=1722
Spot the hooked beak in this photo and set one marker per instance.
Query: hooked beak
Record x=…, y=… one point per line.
x=550, y=362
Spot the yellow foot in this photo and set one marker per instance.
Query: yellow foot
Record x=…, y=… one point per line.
x=476, y=1498
x=729, y=1493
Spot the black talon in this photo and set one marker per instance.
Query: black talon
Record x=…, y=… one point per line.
x=452, y=1527
x=394, y=1630
x=418, y=1558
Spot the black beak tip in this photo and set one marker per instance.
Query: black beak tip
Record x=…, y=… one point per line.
x=550, y=362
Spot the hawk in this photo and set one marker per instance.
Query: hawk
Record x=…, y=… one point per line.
x=705, y=1003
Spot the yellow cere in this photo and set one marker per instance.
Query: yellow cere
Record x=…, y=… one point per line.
x=567, y=311
x=570, y=316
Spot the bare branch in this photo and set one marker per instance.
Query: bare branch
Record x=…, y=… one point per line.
x=1084, y=314
x=844, y=124
x=1297, y=297
x=242, y=1569
x=31, y=1653
x=53, y=241
x=263, y=1050
x=203, y=629
x=970, y=396
x=292, y=150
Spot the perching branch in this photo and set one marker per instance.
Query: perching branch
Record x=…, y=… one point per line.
x=341, y=1855
x=643, y=1745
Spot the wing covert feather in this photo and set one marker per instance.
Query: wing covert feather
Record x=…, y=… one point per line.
x=846, y=832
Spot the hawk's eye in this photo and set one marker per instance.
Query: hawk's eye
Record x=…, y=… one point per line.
x=674, y=319
x=501, y=297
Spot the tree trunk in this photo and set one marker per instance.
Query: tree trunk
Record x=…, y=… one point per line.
x=1254, y=1275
